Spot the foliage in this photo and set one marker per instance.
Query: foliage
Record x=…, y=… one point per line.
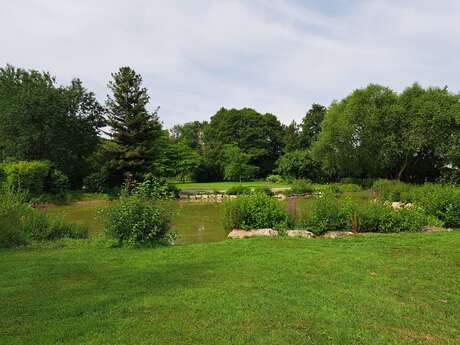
x=134, y=130
x=20, y=223
x=255, y=134
x=155, y=188
x=95, y=183
x=236, y=164
x=11, y=209
x=311, y=125
x=277, y=179
x=133, y=221
x=378, y=217
x=376, y=133
x=238, y=190
x=255, y=211
x=34, y=178
x=299, y=187
x=440, y=201
x=39, y=227
x=43, y=121
x=299, y=164
x=325, y=215
x=329, y=213
x=392, y=190
x=340, y=188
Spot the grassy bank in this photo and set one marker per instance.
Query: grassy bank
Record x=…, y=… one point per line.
x=369, y=289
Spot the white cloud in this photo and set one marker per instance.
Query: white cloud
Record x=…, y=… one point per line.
x=275, y=56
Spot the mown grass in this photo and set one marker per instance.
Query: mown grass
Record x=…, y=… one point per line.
x=368, y=289
x=226, y=185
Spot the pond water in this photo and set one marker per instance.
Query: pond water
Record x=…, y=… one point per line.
x=194, y=222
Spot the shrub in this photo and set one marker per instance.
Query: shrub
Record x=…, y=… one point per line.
x=301, y=187
x=11, y=231
x=325, y=214
x=34, y=178
x=255, y=211
x=392, y=190
x=39, y=227
x=20, y=223
x=95, y=182
x=133, y=221
x=155, y=188
x=345, y=187
x=275, y=179
x=440, y=201
x=238, y=190
x=379, y=217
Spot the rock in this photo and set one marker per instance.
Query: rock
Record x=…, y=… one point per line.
x=300, y=233
x=397, y=205
x=235, y=233
x=431, y=228
x=335, y=234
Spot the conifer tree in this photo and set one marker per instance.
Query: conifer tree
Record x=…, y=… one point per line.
x=134, y=129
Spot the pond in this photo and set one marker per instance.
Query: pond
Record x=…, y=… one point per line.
x=194, y=222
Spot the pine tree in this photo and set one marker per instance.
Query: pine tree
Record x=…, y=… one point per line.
x=134, y=129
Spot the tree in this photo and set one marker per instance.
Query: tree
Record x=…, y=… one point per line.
x=260, y=136
x=291, y=137
x=190, y=134
x=299, y=164
x=134, y=129
x=354, y=140
x=236, y=164
x=43, y=121
x=311, y=125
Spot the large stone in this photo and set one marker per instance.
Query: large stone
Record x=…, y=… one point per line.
x=235, y=233
x=300, y=233
x=335, y=234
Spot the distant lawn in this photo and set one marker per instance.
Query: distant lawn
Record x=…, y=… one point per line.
x=369, y=289
x=227, y=185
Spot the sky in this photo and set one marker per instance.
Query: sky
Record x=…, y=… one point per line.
x=196, y=56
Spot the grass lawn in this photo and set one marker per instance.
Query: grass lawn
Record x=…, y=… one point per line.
x=368, y=289
x=227, y=185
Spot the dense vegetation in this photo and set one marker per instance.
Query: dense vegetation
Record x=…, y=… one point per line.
x=373, y=133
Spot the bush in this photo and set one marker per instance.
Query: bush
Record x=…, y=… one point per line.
x=34, y=178
x=11, y=208
x=338, y=188
x=440, y=201
x=255, y=211
x=20, y=223
x=379, y=217
x=301, y=187
x=392, y=190
x=325, y=215
x=95, y=182
x=328, y=213
x=278, y=179
x=133, y=221
x=238, y=190
x=155, y=188
x=39, y=227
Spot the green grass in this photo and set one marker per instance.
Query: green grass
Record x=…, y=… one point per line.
x=374, y=289
x=227, y=185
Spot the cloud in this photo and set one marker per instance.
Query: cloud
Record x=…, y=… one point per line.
x=275, y=56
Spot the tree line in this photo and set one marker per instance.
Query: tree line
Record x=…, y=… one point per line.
x=372, y=133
